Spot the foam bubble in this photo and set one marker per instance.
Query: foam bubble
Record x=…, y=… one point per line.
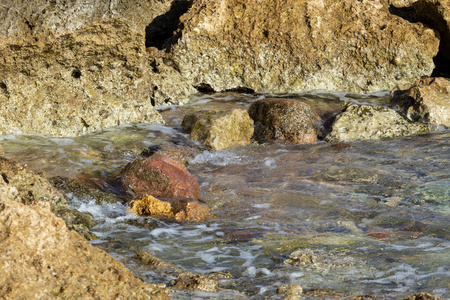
x=218, y=158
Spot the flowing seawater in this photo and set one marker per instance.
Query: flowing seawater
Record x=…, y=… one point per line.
x=362, y=218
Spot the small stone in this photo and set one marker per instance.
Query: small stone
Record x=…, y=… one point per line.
x=192, y=281
x=220, y=130
x=422, y=296
x=284, y=119
x=180, y=210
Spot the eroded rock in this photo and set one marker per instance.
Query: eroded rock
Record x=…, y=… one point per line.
x=160, y=176
x=180, y=210
x=32, y=188
x=365, y=122
x=81, y=66
x=41, y=258
x=284, y=119
x=285, y=46
x=427, y=101
x=219, y=130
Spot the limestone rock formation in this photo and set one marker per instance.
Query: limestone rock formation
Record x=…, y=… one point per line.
x=219, y=130
x=289, y=46
x=365, y=122
x=32, y=188
x=427, y=101
x=160, y=176
x=74, y=67
x=180, y=210
x=284, y=119
x=42, y=259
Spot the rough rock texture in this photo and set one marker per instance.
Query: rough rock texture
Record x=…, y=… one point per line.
x=422, y=296
x=220, y=130
x=436, y=14
x=42, y=259
x=180, y=210
x=284, y=119
x=284, y=46
x=32, y=188
x=160, y=176
x=367, y=122
x=80, y=66
x=427, y=101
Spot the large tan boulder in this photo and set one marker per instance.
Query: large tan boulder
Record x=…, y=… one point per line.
x=219, y=130
x=427, y=101
x=42, y=259
x=289, y=46
x=366, y=122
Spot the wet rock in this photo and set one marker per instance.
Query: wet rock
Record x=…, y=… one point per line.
x=41, y=258
x=159, y=264
x=193, y=281
x=219, y=130
x=422, y=296
x=284, y=47
x=365, y=122
x=32, y=188
x=71, y=70
x=160, y=176
x=427, y=101
x=284, y=119
x=179, y=153
x=290, y=289
x=180, y=210
x=84, y=191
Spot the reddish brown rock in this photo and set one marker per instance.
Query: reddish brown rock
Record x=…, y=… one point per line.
x=284, y=119
x=180, y=210
x=160, y=176
x=427, y=101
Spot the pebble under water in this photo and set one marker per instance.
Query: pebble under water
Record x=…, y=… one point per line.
x=363, y=218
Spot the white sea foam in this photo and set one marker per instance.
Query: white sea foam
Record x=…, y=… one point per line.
x=165, y=231
x=262, y=205
x=218, y=158
x=62, y=141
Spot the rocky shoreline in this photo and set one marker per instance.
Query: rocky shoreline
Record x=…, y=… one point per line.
x=74, y=68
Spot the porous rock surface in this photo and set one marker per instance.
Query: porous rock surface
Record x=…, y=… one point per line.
x=31, y=188
x=366, y=122
x=219, y=130
x=180, y=210
x=284, y=119
x=42, y=259
x=71, y=67
x=427, y=101
x=285, y=46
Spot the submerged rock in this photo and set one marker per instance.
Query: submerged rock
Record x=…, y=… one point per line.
x=427, y=101
x=284, y=119
x=160, y=176
x=180, y=210
x=285, y=46
x=194, y=281
x=365, y=122
x=220, y=130
x=41, y=258
x=422, y=296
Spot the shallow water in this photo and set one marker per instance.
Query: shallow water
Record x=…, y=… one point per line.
x=363, y=218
